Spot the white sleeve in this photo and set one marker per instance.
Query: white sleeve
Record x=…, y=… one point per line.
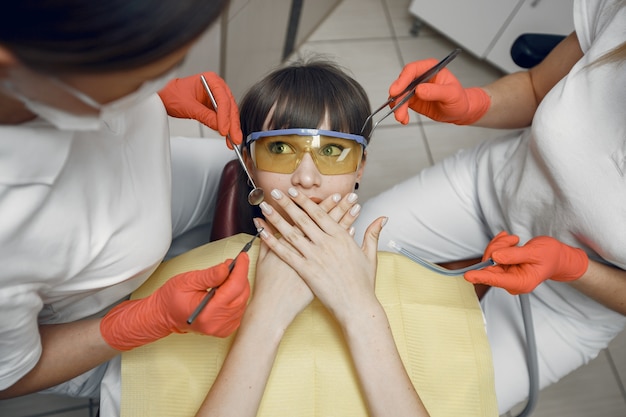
x=20, y=342
x=591, y=18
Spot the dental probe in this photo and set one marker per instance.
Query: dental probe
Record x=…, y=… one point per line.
x=211, y=293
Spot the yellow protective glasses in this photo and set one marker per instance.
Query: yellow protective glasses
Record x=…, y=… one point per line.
x=281, y=151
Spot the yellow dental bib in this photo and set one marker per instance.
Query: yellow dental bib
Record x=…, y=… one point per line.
x=436, y=322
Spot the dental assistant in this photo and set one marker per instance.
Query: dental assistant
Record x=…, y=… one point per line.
x=89, y=189
x=548, y=203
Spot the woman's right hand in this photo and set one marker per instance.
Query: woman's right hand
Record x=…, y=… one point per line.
x=443, y=98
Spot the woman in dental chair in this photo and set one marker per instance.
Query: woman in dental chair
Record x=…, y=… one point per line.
x=332, y=327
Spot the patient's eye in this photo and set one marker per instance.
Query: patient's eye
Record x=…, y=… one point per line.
x=280, y=148
x=331, y=150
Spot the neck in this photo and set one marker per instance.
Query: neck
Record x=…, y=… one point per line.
x=13, y=111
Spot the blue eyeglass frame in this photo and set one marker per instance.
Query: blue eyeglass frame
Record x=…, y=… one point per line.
x=306, y=132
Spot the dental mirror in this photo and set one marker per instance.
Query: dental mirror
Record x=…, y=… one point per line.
x=256, y=196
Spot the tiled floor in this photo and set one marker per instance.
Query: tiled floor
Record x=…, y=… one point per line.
x=371, y=38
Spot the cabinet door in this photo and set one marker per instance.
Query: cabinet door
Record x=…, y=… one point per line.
x=471, y=24
x=535, y=16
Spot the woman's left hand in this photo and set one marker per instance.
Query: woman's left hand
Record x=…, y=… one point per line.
x=186, y=98
x=339, y=272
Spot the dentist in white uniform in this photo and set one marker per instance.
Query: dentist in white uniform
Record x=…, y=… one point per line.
x=87, y=209
x=548, y=204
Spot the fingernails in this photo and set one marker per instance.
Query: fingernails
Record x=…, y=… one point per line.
x=292, y=192
x=336, y=198
x=351, y=231
x=264, y=234
x=266, y=208
x=355, y=209
x=352, y=197
x=257, y=225
x=276, y=194
x=384, y=222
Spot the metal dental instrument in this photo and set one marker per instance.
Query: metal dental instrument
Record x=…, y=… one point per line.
x=211, y=292
x=409, y=91
x=256, y=196
x=437, y=268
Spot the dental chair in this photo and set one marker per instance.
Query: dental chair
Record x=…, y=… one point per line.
x=228, y=220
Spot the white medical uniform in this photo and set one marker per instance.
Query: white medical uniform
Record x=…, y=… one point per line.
x=85, y=217
x=564, y=177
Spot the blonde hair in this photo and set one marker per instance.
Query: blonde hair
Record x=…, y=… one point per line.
x=617, y=54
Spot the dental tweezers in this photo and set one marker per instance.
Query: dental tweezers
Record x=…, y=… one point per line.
x=409, y=91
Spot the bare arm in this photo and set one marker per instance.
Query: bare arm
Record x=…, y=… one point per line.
x=68, y=350
x=384, y=380
x=240, y=384
x=515, y=97
x=605, y=284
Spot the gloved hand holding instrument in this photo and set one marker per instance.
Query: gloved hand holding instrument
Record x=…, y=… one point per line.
x=443, y=98
x=135, y=323
x=407, y=90
x=519, y=269
x=210, y=294
x=185, y=98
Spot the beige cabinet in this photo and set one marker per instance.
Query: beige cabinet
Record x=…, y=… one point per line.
x=488, y=28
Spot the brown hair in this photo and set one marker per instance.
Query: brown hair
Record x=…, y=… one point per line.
x=80, y=36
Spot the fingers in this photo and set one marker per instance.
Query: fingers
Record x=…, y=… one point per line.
x=343, y=211
x=236, y=288
x=439, y=92
x=409, y=73
x=331, y=202
x=401, y=114
x=501, y=241
x=207, y=278
x=370, y=240
x=202, y=113
x=309, y=217
x=495, y=276
x=285, y=252
x=226, y=119
x=222, y=96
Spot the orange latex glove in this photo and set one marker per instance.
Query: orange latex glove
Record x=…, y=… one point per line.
x=520, y=269
x=443, y=98
x=135, y=323
x=186, y=98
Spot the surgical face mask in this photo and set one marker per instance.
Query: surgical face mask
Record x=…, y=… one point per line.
x=281, y=151
x=65, y=120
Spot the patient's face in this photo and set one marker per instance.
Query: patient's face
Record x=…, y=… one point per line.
x=307, y=180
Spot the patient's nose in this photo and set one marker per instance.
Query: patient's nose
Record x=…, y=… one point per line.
x=306, y=174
